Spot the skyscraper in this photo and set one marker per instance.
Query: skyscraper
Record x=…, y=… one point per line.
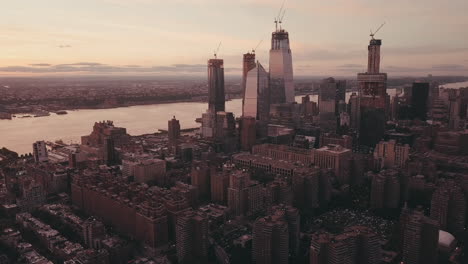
x=93, y=232
x=220, y=184
x=353, y=109
x=248, y=133
x=173, y=130
x=281, y=70
x=271, y=239
x=256, y=96
x=292, y=217
x=247, y=65
x=388, y=154
x=448, y=207
x=331, y=93
x=256, y=102
x=385, y=190
x=211, y=126
x=356, y=245
x=40, y=152
x=200, y=176
x=191, y=237
x=419, y=100
x=372, y=98
x=245, y=197
x=420, y=236
x=216, y=98
x=305, y=184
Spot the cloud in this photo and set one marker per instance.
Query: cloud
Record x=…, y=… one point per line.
x=92, y=64
x=350, y=68
x=64, y=46
x=423, y=50
x=99, y=68
x=40, y=64
x=327, y=54
x=441, y=68
x=449, y=67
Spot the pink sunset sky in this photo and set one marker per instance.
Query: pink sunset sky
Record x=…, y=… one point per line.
x=156, y=37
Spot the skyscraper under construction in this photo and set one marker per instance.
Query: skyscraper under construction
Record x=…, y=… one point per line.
x=281, y=70
x=216, y=98
x=372, y=98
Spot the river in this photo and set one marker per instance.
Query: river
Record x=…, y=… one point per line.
x=19, y=134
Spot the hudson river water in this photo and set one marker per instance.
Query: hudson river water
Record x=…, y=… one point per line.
x=19, y=134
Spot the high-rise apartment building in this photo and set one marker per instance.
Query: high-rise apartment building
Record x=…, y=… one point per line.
x=93, y=232
x=40, y=152
x=448, y=207
x=220, y=184
x=292, y=217
x=278, y=191
x=151, y=170
x=102, y=131
x=420, y=237
x=245, y=197
x=336, y=158
x=373, y=98
x=271, y=240
x=356, y=245
x=305, y=186
x=191, y=237
x=385, y=190
x=389, y=154
x=281, y=70
x=200, y=178
x=332, y=93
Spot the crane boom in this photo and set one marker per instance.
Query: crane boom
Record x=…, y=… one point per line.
x=257, y=45
x=281, y=9
x=281, y=19
x=373, y=34
x=216, y=51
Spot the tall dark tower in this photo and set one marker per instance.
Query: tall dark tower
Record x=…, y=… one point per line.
x=419, y=100
x=216, y=98
x=372, y=98
x=173, y=130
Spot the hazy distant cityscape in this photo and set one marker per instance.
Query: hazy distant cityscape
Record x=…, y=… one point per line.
x=258, y=163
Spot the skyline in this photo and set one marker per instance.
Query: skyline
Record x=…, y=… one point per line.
x=145, y=37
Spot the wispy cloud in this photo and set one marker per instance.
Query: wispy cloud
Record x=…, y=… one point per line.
x=64, y=46
x=448, y=67
x=99, y=68
x=40, y=64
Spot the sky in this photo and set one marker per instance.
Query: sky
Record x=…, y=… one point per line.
x=177, y=37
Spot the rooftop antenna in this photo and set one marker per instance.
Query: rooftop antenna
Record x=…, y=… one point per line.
x=372, y=34
x=253, y=50
x=217, y=50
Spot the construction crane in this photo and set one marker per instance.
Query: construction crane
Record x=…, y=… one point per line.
x=281, y=19
x=253, y=50
x=217, y=50
x=372, y=34
x=278, y=18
